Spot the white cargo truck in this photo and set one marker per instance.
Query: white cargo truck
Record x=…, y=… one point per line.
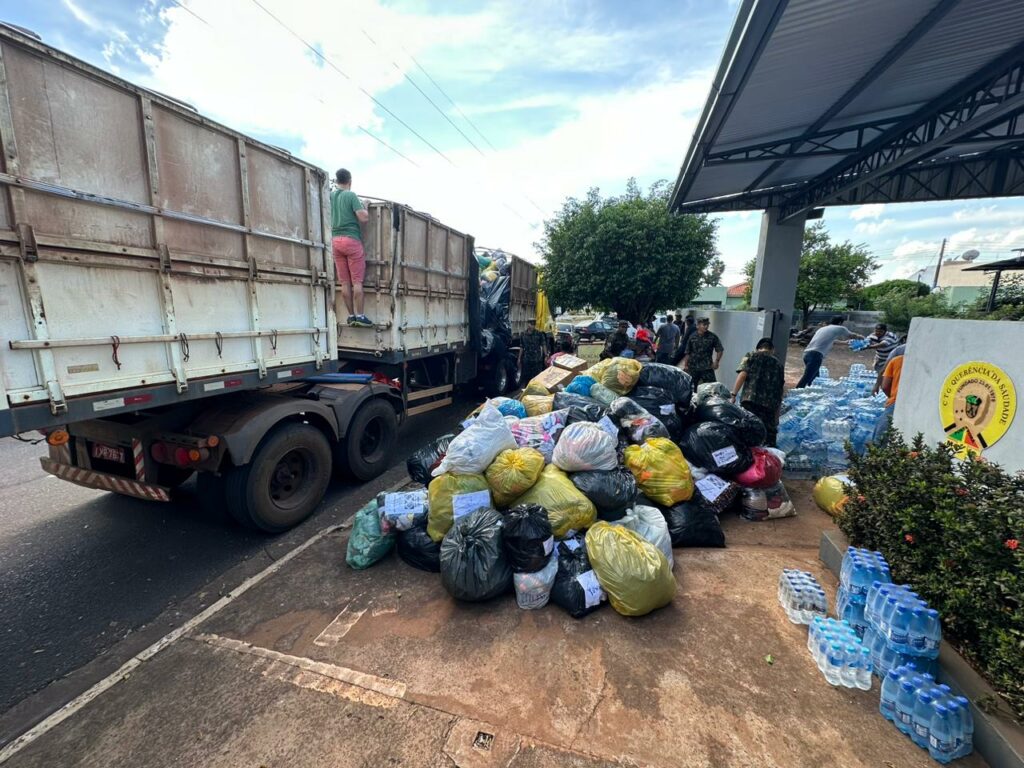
x=168, y=301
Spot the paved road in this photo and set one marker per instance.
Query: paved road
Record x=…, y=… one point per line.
x=80, y=570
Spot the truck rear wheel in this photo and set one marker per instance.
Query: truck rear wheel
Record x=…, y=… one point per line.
x=369, y=440
x=496, y=380
x=515, y=373
x=284, y=482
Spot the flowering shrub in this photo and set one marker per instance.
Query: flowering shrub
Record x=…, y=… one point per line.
x=952, y=530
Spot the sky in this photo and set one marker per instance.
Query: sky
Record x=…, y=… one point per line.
x=486, y=114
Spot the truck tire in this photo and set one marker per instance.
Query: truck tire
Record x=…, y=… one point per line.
x=283, y=482
x=515, y=374
x=496, y=380
x=366, y=451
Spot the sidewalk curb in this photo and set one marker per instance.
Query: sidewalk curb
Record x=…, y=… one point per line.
x=125, y=670
x=998, y=740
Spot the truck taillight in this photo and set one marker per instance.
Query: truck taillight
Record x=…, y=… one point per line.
x=58, y=437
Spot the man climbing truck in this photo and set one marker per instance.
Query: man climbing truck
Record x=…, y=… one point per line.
x=171, y=309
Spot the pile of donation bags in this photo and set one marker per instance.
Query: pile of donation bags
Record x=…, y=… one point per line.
x=577, y=492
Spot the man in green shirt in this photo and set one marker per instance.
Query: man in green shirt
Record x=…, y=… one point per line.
x=699, y=348
x=761, y=377
x=348, y=220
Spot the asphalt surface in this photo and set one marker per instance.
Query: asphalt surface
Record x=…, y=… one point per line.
x=82, y=570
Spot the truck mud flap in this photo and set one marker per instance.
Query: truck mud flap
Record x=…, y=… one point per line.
x=104, y=482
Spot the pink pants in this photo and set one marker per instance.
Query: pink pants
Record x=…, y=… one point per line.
x=349, y=259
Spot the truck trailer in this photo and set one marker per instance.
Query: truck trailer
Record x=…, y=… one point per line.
x=168, y=301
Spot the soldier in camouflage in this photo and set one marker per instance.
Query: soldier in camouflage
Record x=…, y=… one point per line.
x=759, y=383
x=700, y=347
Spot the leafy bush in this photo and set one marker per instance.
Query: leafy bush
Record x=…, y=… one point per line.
x=865, y=299
x=898, y=307
x=952, y=530
x=1009, y=304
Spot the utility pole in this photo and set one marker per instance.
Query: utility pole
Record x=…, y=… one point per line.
x=942, y=252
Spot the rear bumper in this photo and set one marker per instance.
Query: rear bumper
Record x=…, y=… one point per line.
x=104, y=482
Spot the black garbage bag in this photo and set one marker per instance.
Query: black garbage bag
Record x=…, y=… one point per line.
x=576, y=588
x=527, y=538
x=423, y=461
x=593, y=412
x=612, y=492
x=419, y=550
x=568, y=399
x=716, y=447
x=748, y=427
x=675, y=381
x=638, y=423
x=486, y=342
x=693, y=524
x=473, y=562
x=495, y=297
x=658, y=401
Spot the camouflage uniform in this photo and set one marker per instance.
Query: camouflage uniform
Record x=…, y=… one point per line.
x=762, y=390
x=699, y=362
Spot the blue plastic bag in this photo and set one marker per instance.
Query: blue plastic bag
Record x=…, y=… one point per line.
x=508, y=407
x=581, y=385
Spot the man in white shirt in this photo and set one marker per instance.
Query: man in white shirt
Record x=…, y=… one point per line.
x=821, y=345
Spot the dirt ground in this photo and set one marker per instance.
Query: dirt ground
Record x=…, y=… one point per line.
x=321, y=665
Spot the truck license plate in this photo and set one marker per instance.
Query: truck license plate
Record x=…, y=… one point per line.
x=107, y=452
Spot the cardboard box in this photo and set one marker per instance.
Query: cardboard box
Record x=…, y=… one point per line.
x=569, y=362
x=554, y=378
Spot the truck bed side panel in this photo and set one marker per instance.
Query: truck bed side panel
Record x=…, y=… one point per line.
x=141, y=244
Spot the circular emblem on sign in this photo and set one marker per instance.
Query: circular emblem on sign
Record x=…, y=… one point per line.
x=977, y=405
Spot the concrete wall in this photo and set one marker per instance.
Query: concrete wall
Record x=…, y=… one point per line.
x=739, y=332
x=934, y=349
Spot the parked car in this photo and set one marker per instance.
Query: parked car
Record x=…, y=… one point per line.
x=597, y=330
x=566, y=337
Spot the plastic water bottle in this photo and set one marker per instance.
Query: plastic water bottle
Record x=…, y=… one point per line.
x=922, y=719
x=941, y=738
x=890, y=687
x=851, y=661
x=834, y=661
x=966, y=729
x=899, y=627
x=905, y=707
x=864, y=670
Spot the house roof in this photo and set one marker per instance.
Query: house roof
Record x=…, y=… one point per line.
x=737, y=291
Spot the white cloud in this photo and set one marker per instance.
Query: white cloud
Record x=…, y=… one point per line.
x=243, y=69
x=83, y=17
x=873, y=227
x=867, y=211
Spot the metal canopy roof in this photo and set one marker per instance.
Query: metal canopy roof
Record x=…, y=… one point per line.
x=841, y=102
x=1006, y=264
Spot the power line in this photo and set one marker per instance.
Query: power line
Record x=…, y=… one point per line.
x=423, y=93
x=451, y=101
x=365, y=92
x=190, y=11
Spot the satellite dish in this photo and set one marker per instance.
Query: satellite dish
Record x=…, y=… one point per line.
x=970, y=255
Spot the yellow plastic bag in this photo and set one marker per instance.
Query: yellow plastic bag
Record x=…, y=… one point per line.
x=537, y=405
x=596, y=371
x=568, y=509
x=441, y=495
x=513, y=473
x=621, y=375
x=532, y=388
x=634, y=573
x=660, y=470
x=829, y=493
x=490, y=275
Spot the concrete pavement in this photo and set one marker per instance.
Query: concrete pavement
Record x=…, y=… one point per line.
x=88, y=578
x=322, y=665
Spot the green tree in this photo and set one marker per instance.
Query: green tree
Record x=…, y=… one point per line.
x=1009, y=304
x=829, y=272
x=898, y=307
x=865, y=299
x=713, y=273
x=625, y=254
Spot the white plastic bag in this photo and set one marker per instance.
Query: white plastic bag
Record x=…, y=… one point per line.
x=471, y=452
x=584, y=446
x=540, y=432
x=652, y=526
x=534, y=589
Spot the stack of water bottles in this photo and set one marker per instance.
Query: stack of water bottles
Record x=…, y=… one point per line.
x=801, y=596
x=931, y=715
x=861, y=569
x=818, y=421
x=839, y=653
